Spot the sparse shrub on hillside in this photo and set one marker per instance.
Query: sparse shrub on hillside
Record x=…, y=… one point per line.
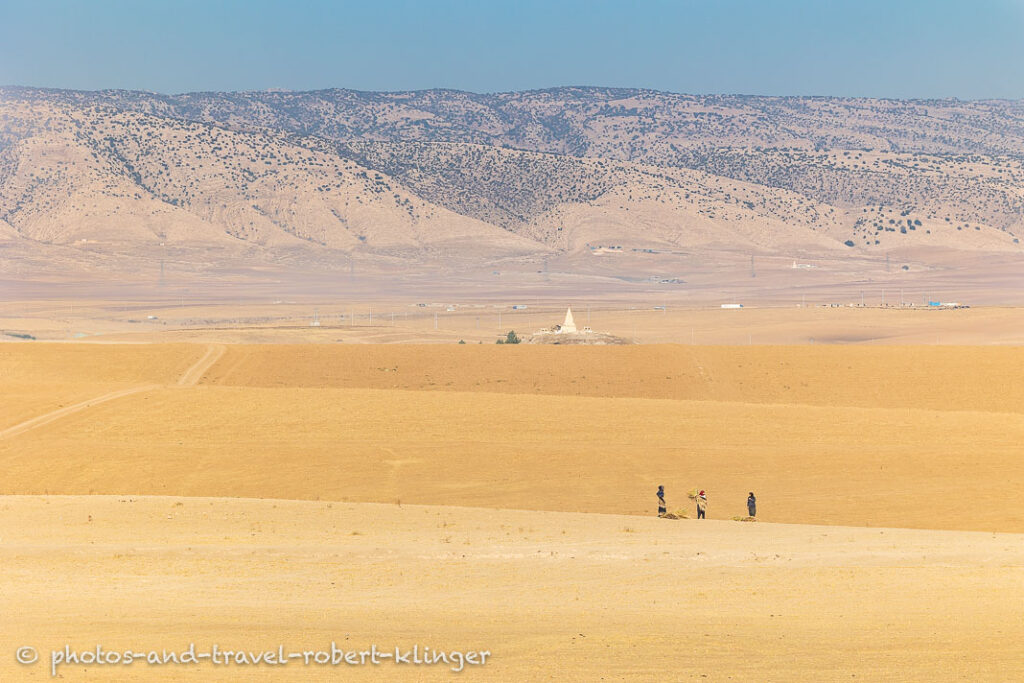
x=497, y=159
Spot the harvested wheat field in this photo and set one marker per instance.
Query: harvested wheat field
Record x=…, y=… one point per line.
x=922, y=437
x=37, y=381
x=501, y=498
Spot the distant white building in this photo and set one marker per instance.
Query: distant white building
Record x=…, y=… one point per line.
x=568, y=333
x=569, y=326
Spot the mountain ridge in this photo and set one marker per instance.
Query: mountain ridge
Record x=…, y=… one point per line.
x=437, y=174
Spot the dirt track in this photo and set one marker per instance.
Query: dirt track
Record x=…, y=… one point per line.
x=189, y=378
x=41, y=420
x=194, y=374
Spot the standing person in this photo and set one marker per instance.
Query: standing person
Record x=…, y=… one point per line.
x=751, y=505
x=702, y=505
x=661, y=501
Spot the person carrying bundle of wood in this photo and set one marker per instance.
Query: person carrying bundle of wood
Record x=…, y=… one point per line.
x=702, y=505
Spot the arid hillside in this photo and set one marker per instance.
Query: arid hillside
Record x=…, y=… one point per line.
x=228, y=181
x=120, y=180
x=879, y=200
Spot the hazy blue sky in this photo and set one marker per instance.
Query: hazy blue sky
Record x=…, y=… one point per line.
x=884, y=48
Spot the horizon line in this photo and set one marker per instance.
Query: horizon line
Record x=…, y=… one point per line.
x=494, y=93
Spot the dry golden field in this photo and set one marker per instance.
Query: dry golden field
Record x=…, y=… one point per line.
x=501, y=498
x=38, y=381
x=878, y=436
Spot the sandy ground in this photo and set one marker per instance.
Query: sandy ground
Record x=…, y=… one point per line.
x=552, y=596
